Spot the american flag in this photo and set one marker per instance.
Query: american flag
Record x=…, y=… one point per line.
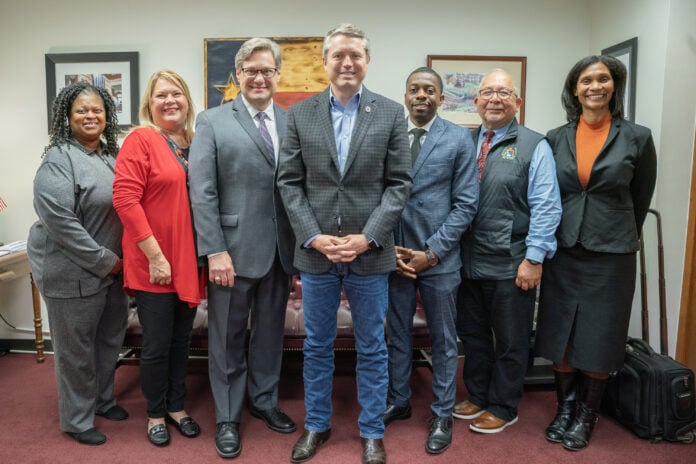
x=3, y=205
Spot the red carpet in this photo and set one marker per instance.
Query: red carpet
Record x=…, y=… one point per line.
x=29, y=429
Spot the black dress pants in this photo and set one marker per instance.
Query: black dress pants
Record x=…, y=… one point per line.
x=167, y=322
x=494, y=323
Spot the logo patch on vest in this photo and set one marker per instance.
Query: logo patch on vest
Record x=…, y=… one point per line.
x=510, y=153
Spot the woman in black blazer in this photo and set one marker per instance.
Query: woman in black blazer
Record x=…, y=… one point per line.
x=606, y=170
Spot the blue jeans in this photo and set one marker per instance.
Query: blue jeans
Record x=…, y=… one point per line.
x=439, y=296
x=367, y=296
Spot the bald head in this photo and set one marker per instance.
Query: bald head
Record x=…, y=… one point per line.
x=497, y=101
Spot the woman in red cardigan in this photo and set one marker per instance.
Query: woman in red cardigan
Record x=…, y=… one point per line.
x=159, y=254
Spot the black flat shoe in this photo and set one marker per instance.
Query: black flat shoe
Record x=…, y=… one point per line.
x=91, y=437
x=114, y=413
x=158, y=435
x=186, y=426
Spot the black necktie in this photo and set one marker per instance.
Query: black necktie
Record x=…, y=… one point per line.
x=416, y=145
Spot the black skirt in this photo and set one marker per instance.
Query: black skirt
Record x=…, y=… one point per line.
x=585, y=305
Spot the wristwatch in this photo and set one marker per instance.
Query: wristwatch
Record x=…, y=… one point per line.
x=533, y=262
x=432, y=257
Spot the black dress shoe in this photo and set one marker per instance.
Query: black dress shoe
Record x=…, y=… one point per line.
x=373, y=451
x=158, y=435
x=186, y=426
x=114, y=413
x=275, y=419
x=306, y=447
x=89, y=437
x=395, y=412
x=227, y=443
x=440, y=437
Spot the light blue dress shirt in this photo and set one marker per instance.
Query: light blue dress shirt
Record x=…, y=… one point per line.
x=343, y=121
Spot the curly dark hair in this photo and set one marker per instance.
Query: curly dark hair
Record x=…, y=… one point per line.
x=62, y=105
x=617, y=69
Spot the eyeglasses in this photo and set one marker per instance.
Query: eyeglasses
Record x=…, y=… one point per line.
x=266, y=72
x=503, y=94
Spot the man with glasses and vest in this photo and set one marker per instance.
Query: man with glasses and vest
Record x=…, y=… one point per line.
x=502, y=255
x=248, y=242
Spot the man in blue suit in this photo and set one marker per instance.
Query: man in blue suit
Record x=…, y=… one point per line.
x=442, y=205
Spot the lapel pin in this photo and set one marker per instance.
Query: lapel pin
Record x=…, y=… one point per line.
x=368, y=109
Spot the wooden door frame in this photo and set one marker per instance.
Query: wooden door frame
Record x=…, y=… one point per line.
x=686, y=341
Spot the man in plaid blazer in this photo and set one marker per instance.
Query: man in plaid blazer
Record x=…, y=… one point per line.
x=344, y=176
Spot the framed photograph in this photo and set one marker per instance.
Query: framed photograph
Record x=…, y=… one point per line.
x=462, y=75
x=302, y=71
x=627, y=53
x=117, y=72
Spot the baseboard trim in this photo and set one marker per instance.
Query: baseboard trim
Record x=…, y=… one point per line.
x=24, y=345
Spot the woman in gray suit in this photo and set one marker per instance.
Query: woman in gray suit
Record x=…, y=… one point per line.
x=606, y=170
x=74, y=249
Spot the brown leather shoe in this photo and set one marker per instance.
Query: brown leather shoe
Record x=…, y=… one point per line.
x=488, y=423
x=306, y=447
x=467, y=410
x=373, y=451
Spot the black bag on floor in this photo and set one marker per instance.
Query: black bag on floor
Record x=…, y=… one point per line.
x=652, y=395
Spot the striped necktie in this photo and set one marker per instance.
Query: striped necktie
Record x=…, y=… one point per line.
x=265, y=135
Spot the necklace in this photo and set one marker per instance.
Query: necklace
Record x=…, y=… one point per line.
x=178, y=151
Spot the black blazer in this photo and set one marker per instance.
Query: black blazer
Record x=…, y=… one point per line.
x=607, y=215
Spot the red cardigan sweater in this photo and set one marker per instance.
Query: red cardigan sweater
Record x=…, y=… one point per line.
x=151, y=198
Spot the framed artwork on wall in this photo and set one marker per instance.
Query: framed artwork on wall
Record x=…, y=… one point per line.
x=461, y=76
x=117, y=72
x=627, y=53
x=301, y=75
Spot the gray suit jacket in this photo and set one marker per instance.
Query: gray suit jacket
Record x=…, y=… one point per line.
x=236, y=205
x=444, y=196
x=368, y=197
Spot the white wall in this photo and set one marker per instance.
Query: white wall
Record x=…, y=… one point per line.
x=552, y=34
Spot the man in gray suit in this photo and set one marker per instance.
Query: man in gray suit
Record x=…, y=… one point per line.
x=441, y=207
x=345, y=176
x=243, y=231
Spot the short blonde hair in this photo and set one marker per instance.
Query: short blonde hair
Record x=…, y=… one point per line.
x=349, y=30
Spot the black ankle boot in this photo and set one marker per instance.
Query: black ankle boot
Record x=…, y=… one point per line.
x=577, y=436
x=566, y=405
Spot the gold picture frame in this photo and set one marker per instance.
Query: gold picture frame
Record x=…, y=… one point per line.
x=461, y=76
